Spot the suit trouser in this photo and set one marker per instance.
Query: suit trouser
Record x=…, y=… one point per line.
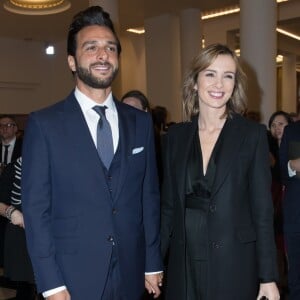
x=292, y=240
x=112, y=289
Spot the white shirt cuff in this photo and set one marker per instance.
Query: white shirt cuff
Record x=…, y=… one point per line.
x=54, y=291
x=290, y=171
x=150, y=273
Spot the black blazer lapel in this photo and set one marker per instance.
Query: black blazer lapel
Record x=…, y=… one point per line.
x=17, y=152
x=185, y=133
x=233, y=137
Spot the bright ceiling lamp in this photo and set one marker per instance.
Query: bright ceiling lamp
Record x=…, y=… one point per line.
x=37, y=7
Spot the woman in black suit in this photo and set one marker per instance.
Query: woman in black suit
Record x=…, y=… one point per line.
x=217, y=226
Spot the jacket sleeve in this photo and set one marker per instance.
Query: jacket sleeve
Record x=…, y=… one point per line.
x=167, y=204
x=262, y=209
x=36, y=204
x=151, y=207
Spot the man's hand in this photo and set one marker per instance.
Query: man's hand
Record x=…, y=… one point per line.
x=62, y=295
x=17, y=218
x=153, y=282
x=269, y=290
x=295, y=164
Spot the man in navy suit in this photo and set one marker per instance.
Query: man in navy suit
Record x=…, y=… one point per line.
x=92, y=227
x=290, y=164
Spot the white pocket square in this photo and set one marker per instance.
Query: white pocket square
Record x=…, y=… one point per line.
x=137, y=150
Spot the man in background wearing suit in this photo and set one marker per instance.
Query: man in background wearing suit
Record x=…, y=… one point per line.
x=92, y=218
x=10, y=150
x=290, y=165
x=10, y=146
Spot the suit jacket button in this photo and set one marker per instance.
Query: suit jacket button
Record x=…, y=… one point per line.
x=110, y=238
x=213, y=208
x=216, y=245
x=114, y=211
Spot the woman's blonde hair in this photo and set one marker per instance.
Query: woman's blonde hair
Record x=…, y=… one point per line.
x=237, y=101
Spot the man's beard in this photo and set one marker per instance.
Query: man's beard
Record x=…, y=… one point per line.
x=89, y=79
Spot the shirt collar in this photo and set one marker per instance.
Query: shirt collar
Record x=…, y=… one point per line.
x=12, y=142
x=87, y=103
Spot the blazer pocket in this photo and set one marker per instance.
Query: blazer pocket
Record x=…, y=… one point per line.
x=246, y=235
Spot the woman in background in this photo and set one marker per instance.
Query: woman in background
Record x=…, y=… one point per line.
x=17, y=264
x=136, y=99
x=217, y=216
x=277, y=123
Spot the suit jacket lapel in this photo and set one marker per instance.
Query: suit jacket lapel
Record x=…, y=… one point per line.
x=79, y=136
x=127, y=137
x=233, y=136
x=187, y=133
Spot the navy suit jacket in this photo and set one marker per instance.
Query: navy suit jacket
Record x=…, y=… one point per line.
x=68, y=210
x=291, y=204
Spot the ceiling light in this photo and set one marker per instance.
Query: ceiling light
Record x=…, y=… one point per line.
x=279, y=57
x=36, y=7
x=206, y=15
x=139, y=30
x=219, y=13
x=223, y=12
x=50, y=50
x=287, y=33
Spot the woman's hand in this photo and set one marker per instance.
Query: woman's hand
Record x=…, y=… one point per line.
x=153, y=282
x=62, y=295
x=17, y=218
x=268, y=290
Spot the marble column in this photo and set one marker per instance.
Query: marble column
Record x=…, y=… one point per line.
x=190, y=36
x=258, y=41
x=163, y=68
x=289, y=84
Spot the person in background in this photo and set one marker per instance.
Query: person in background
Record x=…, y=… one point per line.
x=17, y=265
x=10, y=150
x=277, y=123
x=295, y=115
x=289, y=154
x=136, y=99
x=90, y=193
x=159, y=116
x=217, y=216
x=253, y=115
x=10, y=145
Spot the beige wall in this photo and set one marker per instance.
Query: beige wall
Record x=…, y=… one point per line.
x=163, y=63
x=133, y=68
x=29, y=79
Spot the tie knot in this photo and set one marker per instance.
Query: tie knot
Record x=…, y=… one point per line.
x=100, y=110
x=6, y=146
